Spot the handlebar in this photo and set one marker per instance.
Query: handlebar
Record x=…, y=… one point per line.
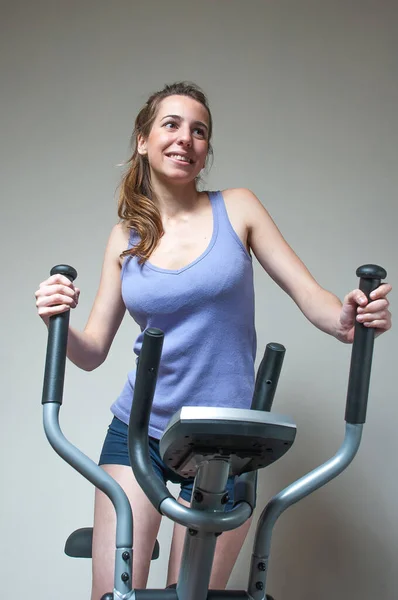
x=144, y=389
x=54, y=371
x=145, y=384
x=153, y=487
x=362, y=351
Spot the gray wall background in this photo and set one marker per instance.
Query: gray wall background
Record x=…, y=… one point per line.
x=304, y=97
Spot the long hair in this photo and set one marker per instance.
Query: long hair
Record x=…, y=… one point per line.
x=136, y=206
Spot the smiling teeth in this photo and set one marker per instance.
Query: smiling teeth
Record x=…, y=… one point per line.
x=179, y=157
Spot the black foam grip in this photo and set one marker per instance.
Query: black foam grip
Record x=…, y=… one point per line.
x=54, y=371
x=362, y=351
x=166, y=594
x=170, y=593
x=268, y=376
x=144, y=390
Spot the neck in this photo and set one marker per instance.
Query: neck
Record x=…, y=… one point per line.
x=174, y=200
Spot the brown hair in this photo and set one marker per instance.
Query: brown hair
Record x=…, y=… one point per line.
x=136, y=207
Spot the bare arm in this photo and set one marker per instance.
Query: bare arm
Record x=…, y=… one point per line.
x=321, y=307
x=89, y=348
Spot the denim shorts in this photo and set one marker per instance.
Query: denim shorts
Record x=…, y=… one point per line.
x=115, y=452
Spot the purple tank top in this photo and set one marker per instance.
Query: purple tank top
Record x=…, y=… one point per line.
x=206, y=310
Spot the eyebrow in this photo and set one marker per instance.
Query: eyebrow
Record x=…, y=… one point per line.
x=180, y=119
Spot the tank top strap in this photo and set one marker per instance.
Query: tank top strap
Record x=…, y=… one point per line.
x=217, y=202
x=134, y=238
x=223, y=223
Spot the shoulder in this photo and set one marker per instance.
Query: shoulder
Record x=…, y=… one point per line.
x=240, y=197
x=237, y=193
x=244, y=202
x=118, y=240
x=120, y=234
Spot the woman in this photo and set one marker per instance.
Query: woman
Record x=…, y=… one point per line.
x=180, y=259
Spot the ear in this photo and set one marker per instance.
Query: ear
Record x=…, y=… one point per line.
x=141, y=145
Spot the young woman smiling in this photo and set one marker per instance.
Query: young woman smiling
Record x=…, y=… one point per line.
x=180, y=259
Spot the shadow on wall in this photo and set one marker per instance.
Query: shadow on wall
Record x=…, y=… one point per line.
x=330, y=551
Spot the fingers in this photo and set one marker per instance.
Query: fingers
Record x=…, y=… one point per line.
x=359, y=298
x=356, y=298
x=381, y=291
x=373, y=312
x=376, y=314
x=56, y=295
x=58, y=279
x=50, y=311
x=374, y=307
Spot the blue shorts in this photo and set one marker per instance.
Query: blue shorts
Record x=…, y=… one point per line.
x=115, y=452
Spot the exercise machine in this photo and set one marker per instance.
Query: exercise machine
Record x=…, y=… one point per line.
x=210, y=444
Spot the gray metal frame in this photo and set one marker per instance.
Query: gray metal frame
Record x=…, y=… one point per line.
x=206, y=518
x=98, y=477
x=199, y=546
x=293, y=493
x=202, y=526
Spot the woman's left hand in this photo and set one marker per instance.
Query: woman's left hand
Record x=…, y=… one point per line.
x=373, y=313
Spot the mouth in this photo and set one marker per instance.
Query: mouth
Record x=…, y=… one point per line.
x=180, y=158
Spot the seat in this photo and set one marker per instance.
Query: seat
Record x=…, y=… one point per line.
x=79, y=544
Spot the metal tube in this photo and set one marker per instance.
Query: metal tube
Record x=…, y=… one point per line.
x=196, y=519
x=98, y=477
x=268, y=376
x=289, y=496
x=199, y=546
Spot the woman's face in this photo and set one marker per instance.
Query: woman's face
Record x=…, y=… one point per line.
x=178, y=143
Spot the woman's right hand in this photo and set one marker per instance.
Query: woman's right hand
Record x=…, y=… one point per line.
x=56, y=295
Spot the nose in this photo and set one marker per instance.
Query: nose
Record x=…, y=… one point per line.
x=185, y=137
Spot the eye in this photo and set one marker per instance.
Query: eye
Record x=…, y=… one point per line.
x=170, y=125
x=199, y=132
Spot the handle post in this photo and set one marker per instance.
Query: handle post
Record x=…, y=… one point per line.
x=144, y=390
x=362, y=351
x=54, y=371
x=268, y=377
